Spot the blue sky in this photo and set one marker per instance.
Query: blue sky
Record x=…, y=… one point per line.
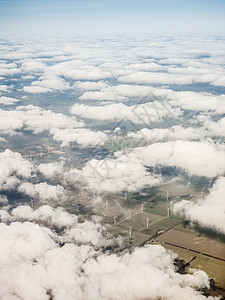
x=106, y=17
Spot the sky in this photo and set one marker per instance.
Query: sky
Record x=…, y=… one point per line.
x=106, y=17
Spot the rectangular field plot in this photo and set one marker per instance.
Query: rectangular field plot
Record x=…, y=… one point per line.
x=213, y=267
x=194, y=242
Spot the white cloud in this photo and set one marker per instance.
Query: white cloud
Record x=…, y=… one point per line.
x=47, y=83
x=215, y=129
x=78, y=70
x=115, y=175
x=35, y=119
x=196, y=158
x=44, y=192
x=33, y=66
x=33, y=265
x=50, y=170
x=9, y=124
x=11, y=164
x=8, y=100
x=82, y=136
x=35, y=89
x=208, y=212
x=90, y=85
x=5, y=88
x=126, y=91
x=219, y=82
x=45, y=214
x=165, y=134
x=198, y=101
x=157, y=78
x=139, y=113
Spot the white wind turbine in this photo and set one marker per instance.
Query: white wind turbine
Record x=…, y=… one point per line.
x=130, y=231
x=168, y=211
x=147, y=221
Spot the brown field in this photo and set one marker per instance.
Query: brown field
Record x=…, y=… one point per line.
x=194, y=242
x=214, y=268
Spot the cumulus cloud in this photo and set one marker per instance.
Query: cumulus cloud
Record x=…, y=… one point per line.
x=197, y=158
x=208, y=212
x=37, y=263
x=215, y=128
x=5, y=88
x=13, y=164
x=46, y=84
x=126, y=91
x=164, y=134
x=44, y=192
x=33, y=66
x=139, y=113
x=35, y=89
x=50, y=170
x=156, y=78
x=198, y=101
x=9, y=124
x=34, y=118
x=45, y=214
x=8, y=100
x=82, y=136
x=114, y=175
x=90, y=85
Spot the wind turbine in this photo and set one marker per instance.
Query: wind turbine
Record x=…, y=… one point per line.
x=130, y=231
x=125, y=196
x=114, y=220
x=168, y=212
x=167, y=196
x=142, y=208
x=147, y=221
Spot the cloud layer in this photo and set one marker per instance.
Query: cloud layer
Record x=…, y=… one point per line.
x=208, y=212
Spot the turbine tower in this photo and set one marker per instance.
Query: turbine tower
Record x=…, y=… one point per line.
x=168, y=212
x=147, y=221
x=130, y=231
